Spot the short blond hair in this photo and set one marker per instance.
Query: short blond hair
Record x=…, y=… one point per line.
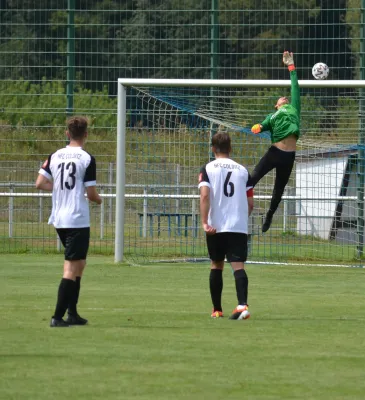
x=77, y=127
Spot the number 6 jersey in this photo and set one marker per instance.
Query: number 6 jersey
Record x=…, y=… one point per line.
x=71, y=169
x=230, y=185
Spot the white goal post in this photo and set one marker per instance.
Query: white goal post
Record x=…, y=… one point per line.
x=124, y=84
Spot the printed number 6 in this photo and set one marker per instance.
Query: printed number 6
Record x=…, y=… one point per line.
x=230, y=184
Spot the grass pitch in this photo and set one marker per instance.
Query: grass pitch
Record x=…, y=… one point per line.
x=151, y=335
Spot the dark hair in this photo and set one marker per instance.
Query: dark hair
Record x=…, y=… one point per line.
x=221, y=143
x=77, y=127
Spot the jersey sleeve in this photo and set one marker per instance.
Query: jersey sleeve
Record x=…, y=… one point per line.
x=203, y=178
x=90, y=173
x=295, y=91
x=46, y=168
x=249, y=187
x=266, y=123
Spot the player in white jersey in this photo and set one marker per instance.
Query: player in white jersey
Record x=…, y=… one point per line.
x=226, y=201
x=68, y=173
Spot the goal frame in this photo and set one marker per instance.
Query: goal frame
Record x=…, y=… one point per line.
x=124, y=83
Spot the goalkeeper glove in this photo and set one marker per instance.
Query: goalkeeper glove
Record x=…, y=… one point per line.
x=256, y=129
x=288, y=60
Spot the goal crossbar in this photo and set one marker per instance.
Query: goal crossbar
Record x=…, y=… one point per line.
x=240, y=83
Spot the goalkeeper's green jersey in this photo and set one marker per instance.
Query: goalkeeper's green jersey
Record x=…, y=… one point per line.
x=286, y=120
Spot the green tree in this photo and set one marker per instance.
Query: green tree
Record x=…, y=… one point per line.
x=27, y=46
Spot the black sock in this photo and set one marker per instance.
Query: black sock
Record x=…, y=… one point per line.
x=78, y=287
x=216, y=287
x=66, y=291
x=72, y=307
x=241, y=286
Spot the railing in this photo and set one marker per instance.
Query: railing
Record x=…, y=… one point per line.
x=106, y=210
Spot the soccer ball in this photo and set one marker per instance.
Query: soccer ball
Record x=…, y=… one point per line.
x=320, y=70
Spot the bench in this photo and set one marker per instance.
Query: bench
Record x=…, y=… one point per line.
x=179, y=217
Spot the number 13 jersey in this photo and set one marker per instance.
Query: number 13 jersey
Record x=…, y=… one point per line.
x=230, y=185
x=71, y=169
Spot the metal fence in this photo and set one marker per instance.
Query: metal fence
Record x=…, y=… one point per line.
x=59, y=58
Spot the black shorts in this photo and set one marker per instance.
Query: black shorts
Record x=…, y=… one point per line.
x=232, y=245
x=75, y=241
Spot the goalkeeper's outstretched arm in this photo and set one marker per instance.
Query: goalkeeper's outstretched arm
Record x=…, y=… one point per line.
x=288, y=60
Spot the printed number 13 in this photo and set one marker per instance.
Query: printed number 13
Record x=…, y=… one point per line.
x=71, y=168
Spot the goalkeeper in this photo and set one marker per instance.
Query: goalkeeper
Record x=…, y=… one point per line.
x=284, y=128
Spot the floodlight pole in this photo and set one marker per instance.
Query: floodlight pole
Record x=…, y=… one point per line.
x=214, y=61
x=70, y=57
x=361, y=139
x=120, y=173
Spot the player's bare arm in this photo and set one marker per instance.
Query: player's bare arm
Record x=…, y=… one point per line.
x=93, y=195
x=204, y=210
x=42, y=183
x=250, y=205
